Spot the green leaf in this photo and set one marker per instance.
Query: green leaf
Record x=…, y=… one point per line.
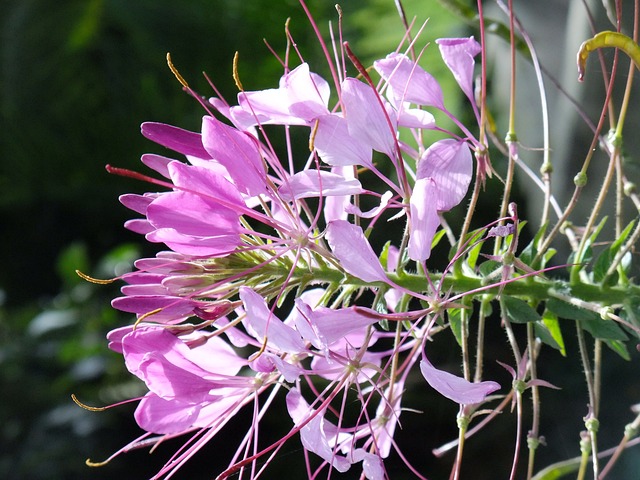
x=601, y=266
x=472, y=256
x=594, y=236
x=519, y=311
x=631, y=313
x=455, y=321
x=384, y=255
x=551, y=325
x=619, y=347
x=603, y=329
x=437, y=237
x=615, y=246
x=544, y=335
x=487, y=268
x=469, y=239
x=558, y=470
x=568, y=311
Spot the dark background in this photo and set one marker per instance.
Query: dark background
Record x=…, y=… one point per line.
x=77, y=78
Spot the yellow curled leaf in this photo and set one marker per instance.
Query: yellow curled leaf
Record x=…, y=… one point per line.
x=603, y=40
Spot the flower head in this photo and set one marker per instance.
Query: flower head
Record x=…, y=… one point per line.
x=217, y=322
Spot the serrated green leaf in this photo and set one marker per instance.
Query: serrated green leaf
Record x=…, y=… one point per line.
x=603, y=329
x=519, y=311
x=552, y=325
x=568, y=311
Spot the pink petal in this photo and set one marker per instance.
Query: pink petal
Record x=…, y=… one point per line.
x=197, y=246
x=334, y=324
x=317, y=435
x=450, y=164
x=266, y=325
x=301, y=97
x=192, y=214
x=415, y=118
x=366, y=119
x=335, y=207
x=238, y=152
x=456, y=388
x=316, y=183
x=157, y=163
x=158, y=415
x=409, y=82
x=336, y=146
x=177, y=139
x=172, y=309
x=137, y=203
x=356, y=256
x=424, y=219
x=458, y=54
x=206, y=182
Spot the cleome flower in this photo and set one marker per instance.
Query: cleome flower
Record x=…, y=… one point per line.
x=253, y=238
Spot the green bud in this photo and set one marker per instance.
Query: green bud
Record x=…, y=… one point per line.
x=519, y=386
x=629, y=188
x=546, y=168
x=580, y=180
x=592, y=424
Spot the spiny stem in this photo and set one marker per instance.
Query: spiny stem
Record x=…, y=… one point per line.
x=535, y=399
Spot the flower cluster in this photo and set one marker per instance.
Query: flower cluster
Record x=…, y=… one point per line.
x=270, y=282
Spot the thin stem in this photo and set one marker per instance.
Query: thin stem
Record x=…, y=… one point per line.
x=586, y=365
x=591, y=419
x=533, y=436
x=597, y=375
x=482, y=316
x=464, y=334
x=463, y=423
x=511, y=138
x=516, y=453
x=630, y=431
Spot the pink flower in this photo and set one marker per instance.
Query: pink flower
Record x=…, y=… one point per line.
x=254, y=239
